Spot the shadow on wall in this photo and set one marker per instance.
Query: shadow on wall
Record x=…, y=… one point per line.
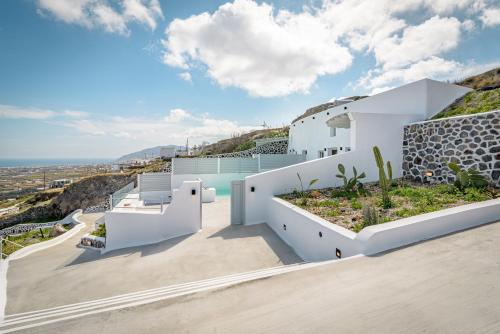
x=284, y=252
x=91, y=255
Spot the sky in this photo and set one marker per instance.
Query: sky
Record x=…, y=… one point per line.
x=102, y=78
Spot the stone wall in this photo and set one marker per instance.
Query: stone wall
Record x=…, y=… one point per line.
x=470, y=141
x=277, y=147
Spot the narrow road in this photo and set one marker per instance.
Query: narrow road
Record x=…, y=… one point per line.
x=65, y=274
x=446, y=285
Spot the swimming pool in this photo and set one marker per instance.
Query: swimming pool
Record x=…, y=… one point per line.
x=223, y=192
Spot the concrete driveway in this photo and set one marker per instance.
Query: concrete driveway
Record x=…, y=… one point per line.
x=446, y=285
x=66, y=274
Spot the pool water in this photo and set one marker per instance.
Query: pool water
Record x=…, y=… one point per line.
x=223, y=192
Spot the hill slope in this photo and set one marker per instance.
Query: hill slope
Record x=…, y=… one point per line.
x=243, y=142
x=149, y=153
x=485, y=97
x=487, y=79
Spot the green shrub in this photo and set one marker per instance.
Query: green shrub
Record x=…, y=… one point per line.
x=355, y=204
x=467, y=178
x=476, y=195
x=332, y=213
x=100, y=231
x=302, y=202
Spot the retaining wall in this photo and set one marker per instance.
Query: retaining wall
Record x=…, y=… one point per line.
x=470, y=141
x=301, y=229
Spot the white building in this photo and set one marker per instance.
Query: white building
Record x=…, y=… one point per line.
x=330, y=132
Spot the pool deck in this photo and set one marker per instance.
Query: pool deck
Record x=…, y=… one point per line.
x=66, y=274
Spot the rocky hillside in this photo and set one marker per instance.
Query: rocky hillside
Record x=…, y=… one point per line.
x=46, y=206
x=484, y=98
x=487, y=79
x=243, y=142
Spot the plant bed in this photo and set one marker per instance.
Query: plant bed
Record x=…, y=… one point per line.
x=354, y=212
x=12, y=243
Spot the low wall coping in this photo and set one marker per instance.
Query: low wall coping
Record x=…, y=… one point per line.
x=453, y=117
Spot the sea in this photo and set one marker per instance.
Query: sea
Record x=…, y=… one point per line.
x=51, y=162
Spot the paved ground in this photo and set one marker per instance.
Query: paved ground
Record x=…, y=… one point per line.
x=446, y=285
x=66, y=274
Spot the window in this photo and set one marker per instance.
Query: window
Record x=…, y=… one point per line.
x=321, y=154
x=333, y=132
x=347, y=149
x=304, y=152
x=332, y=151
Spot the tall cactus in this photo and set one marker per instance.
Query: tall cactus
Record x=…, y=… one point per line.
x=385, y=180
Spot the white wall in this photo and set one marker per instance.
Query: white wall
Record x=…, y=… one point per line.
x=155, y=197
x=302, y=232
x=302, y=229
x=132, y=228
x=418, y=100
x=378, y=238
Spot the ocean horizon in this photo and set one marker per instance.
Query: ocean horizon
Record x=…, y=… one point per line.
x=52, y=162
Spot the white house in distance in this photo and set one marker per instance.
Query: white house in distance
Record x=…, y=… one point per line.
x=331, y=131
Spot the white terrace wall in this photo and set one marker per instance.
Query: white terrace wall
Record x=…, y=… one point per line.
x=134, y=228
x=315, y=239
x=388, y=136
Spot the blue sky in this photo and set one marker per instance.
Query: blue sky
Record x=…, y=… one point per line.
x=102, y=78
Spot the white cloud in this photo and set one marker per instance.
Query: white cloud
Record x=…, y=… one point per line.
x=75, y=113
x=247, y=45
x=104, y=14
x=434, y=67
x=491, y=16
x=433, y=37
x=142, y=12
x=186, y=76
x=177, y=115
x=172, y=128
x=274, y=52
x=468, y=25
x=110, y=20
x=14, y=112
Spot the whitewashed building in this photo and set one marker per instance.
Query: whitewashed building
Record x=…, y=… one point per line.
x=331, y=131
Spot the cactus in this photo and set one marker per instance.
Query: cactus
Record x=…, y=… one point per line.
x=352, y=186
x=467, y=178
x=370, y=216
x=385, y=180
